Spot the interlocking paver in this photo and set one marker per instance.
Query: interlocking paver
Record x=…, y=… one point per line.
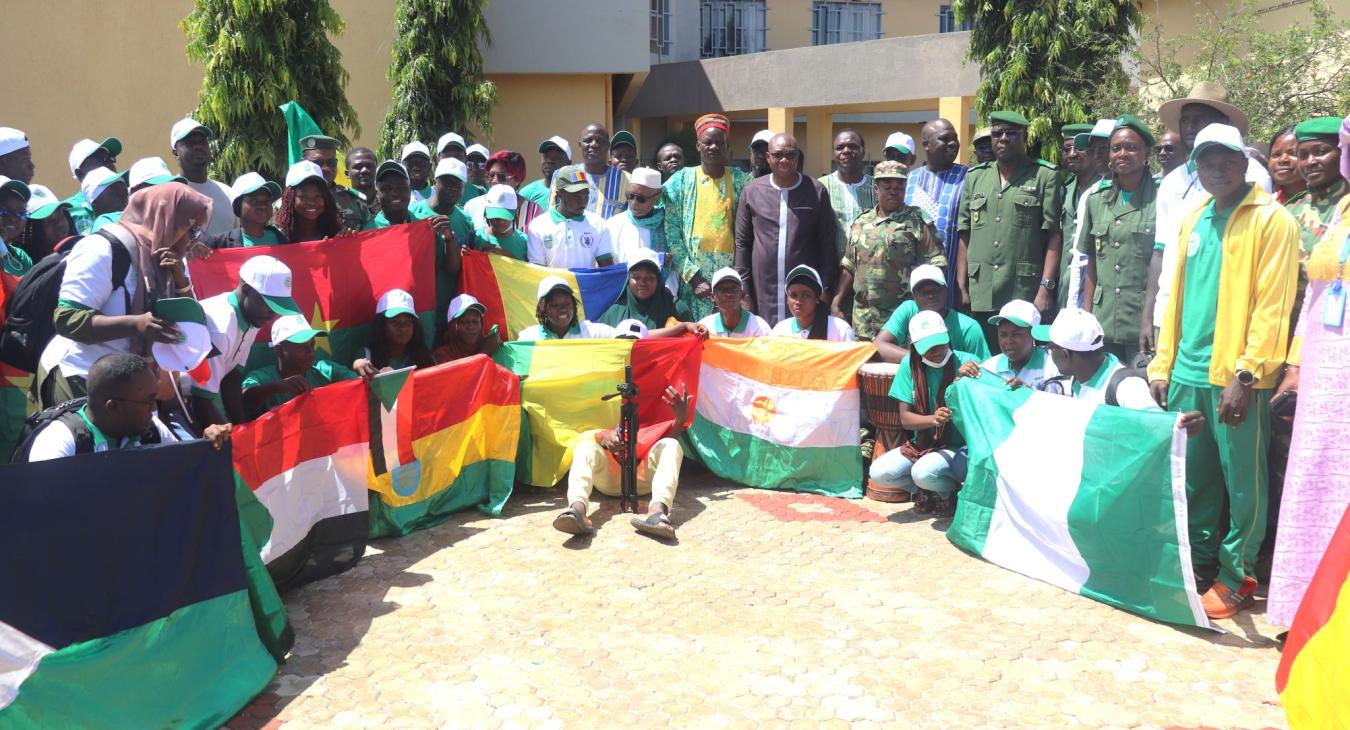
x=775, y=610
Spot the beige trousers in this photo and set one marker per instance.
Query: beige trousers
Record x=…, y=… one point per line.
x=658, y=474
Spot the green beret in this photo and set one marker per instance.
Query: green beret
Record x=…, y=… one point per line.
x=1007, y=117
x=318, y=142
x=1133, y=122
x=1070, y=131
x=1318, y=127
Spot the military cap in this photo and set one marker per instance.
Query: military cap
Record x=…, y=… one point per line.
x=1008, y=117
x=318, y=142
x=1318, y=127
x=890, y=170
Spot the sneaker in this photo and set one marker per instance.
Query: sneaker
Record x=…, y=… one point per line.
x=1220, y=601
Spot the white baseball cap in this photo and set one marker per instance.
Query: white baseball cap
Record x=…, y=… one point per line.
x=1020, y=312
x=152, y=171
x=463, y=303
x=185, y=126
x=926, y=272
x=414, y=148
x=927, y=330
x=293, y=328
x=99, y=179
x=559, y=142
x=1073, y=329
x=726, y=272
x=395, y=302
x=763, y=135
x=500, y=202
x=455, y=168
x=1101, y=130
x=186, y=313
x=900, y=141
x=645, y=255
x=630, y=329
x=646, y=177
x=446, y=140
x=42, y=202
x=1223, y=135
x=302, y=171
x=11, y=140
x=551, y=282
x=477, y=149
x=802, y=270
x=85, y=147
x=251, y=182
x=272, y=279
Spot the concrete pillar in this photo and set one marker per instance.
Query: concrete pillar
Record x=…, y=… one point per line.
x=819, y=142
x=956, y=109
x=780, y=119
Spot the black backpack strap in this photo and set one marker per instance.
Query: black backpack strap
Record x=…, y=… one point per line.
x=121, y=264
x=1058, y=385
x=1118, y=377
x=84, y=438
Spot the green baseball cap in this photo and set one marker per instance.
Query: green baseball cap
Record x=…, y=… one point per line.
x=623, y=136
x=389, y=166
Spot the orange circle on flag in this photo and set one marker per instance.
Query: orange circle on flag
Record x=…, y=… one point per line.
x=762, y=409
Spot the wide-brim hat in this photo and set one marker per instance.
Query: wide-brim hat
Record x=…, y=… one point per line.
x=1204, y=92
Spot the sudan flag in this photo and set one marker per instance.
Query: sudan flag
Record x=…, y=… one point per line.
x=338, y=282
x=126, y=600
x=562, y=382
x=305, y=462
x=509, y=289
x=442, y=439
x=1314, y=671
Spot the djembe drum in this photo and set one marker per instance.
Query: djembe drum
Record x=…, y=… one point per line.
x=874, y=382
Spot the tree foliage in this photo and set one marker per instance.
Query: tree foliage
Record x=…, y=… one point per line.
x=260, y=54
x=1048, y=59
x=437, y=72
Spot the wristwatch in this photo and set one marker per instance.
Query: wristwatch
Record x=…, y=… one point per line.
x=1246, y=378
x=1049, y=284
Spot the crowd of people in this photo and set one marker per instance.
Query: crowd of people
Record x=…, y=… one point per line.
x=1187, y=269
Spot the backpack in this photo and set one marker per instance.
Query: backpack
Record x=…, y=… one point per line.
x=1062, y=384
x=67, y=413
x=28, y=325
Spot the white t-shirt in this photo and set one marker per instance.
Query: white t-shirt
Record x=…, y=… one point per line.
x=626, y=238
x=584, y=330
x=837, y=330
x=567, y=243
x=87, y=281
x=1039, y=368
x=751, y=325
x=1179, y=194
x=231, y=336
x=476, y=209
x=56, y=441
x=1132, y=392
x=222, y=211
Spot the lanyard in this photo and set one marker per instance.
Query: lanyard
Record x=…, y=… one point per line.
x=1340, y=266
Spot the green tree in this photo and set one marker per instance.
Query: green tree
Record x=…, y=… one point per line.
x=437, y=72
x=260, y=54
x=1048, y=59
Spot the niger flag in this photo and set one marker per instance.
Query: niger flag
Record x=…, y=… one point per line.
x=338, y=282
x=1314, y=673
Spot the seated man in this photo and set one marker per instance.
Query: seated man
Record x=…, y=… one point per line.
x=658, y=474
x=928, y=286
x=1021, y=362
x=296, y=372
x=118, y=414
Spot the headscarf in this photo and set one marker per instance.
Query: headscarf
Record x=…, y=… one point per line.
x=155, y=217
x=717, y=121
x=653, y=312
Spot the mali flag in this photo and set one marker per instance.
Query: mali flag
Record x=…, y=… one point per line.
x=1314, y=671
x=441, y=440
x=126, y=600
x=338, y=282
x=509, y=289
x=562, y=382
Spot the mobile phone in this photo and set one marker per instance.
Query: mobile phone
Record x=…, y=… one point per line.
x=1284, y=403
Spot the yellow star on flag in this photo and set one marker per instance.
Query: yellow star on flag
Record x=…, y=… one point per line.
x=323, y=325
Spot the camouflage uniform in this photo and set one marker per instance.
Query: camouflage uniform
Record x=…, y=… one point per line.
x=352, y=207
x=881, y=251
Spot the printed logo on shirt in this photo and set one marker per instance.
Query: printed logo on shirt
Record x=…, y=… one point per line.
x=587, y=239
x=549, y=241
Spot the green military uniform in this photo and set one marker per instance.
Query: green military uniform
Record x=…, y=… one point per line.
x=1119, y=235
x=1068, y=223
x=882, y=250
x=352, y=207
x=1314, y=210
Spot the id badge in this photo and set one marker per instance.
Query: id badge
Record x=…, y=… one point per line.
x=1333, y=310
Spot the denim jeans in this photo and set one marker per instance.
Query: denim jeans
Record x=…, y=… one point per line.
x=937, y=471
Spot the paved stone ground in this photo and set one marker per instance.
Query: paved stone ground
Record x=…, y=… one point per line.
x=775, y=610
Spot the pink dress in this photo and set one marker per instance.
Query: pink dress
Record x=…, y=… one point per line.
x=1317, y=480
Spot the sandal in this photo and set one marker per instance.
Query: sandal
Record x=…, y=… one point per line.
x=657, y=525
x=572, y=522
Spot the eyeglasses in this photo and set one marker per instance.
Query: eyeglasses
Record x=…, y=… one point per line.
x=500, y=177
x=7, y=213
x=1006, y=133
x=1165, y=148
x=638, y=198
x=475, y=164
x=784, y=155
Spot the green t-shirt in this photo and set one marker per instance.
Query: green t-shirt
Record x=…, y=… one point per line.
x=536, y=192
x=1200, y=304
x=268, y=238
x=321, y=373
x=965, y=332
x=513, y=244
x=106, y=218
x=902, y=388
x=471, y=191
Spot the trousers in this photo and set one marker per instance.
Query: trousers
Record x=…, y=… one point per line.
x=592, y=468
x=938, y=471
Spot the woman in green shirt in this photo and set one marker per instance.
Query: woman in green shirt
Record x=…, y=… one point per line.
x=252, y=198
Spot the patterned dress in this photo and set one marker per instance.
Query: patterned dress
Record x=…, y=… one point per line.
x=701, y=240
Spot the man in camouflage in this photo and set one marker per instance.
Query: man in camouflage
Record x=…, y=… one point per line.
x=323, y=151
x=884, y=244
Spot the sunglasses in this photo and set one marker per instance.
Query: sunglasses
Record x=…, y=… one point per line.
x=476, y=165
x=498, y=176
x=785, y=155
x=1006, y=133
x=1165, y=148
x=638, y=198
x=7, y=213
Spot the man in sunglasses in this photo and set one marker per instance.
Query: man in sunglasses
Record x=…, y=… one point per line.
x=1170, y=152
x=1009, y=227
x=642, y=226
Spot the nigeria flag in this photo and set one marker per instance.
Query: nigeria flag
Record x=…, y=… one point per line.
x=1090, y=498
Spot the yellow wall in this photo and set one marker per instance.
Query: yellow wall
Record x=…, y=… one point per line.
x=532, y=108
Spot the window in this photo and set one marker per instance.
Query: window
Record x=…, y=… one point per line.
x=947, y=20
x=732, y=27
x=660, y=27
x=844, y=22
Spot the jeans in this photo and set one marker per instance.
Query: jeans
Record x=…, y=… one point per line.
x=937, y=471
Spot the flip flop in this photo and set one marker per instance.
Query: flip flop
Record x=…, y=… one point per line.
x=572, y=523
x=657, y=525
